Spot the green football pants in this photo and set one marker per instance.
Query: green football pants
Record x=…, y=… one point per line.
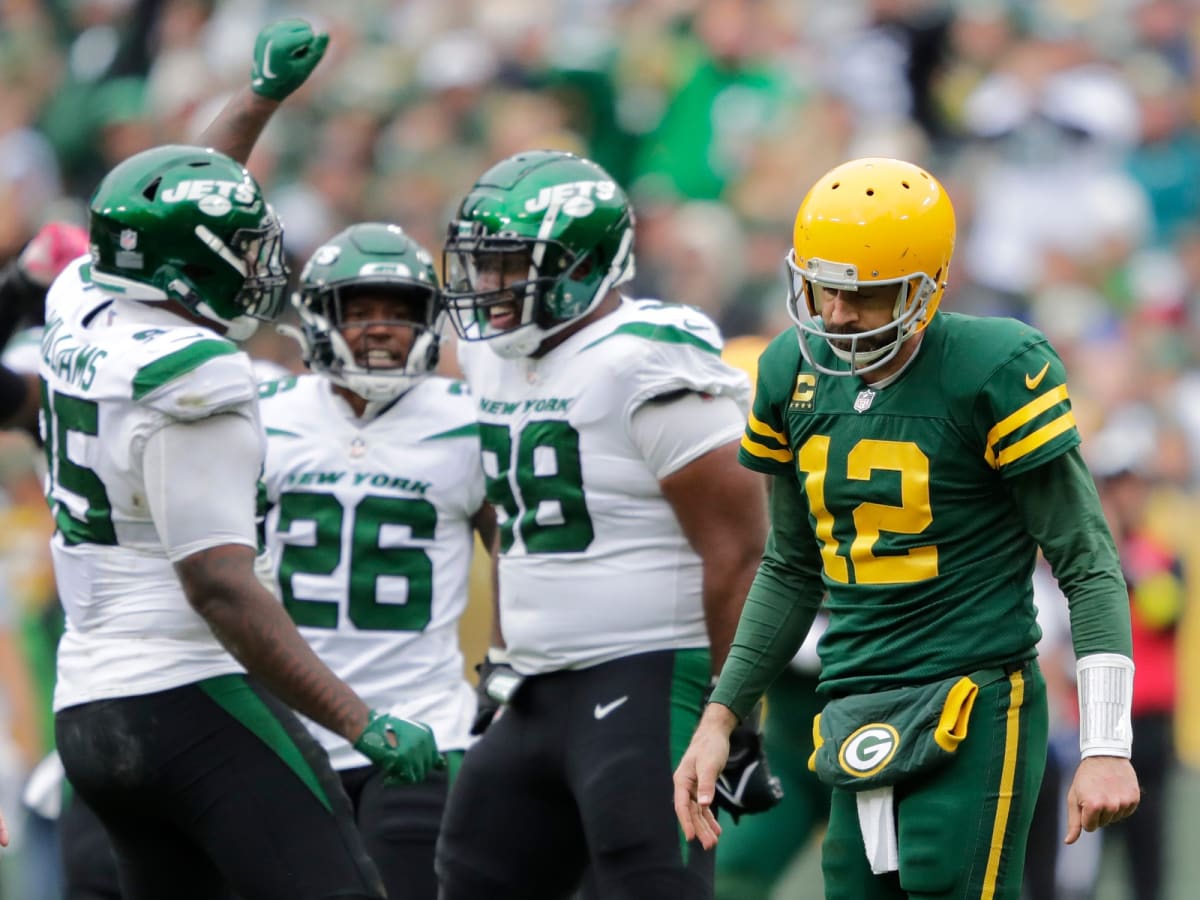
x=961, y=828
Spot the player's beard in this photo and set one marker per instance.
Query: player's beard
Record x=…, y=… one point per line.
x=866, y=344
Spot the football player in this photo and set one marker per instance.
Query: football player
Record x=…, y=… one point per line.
x=627, y=539
x=919, y=459
x=375, y=487
x=177, y=660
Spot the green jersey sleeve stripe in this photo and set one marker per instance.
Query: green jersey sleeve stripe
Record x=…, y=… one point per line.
x=1043, y=435
x=1017, y=421
x=762, y=429
x=766, y=466
x=751, y=446
x=279, y=432
x=471, y=430
x=667, y=334
x=152, y=376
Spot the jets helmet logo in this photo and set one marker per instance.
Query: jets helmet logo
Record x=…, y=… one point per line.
x=869, y=749
x=573, y=198
x=396, y=269
x=212, y=197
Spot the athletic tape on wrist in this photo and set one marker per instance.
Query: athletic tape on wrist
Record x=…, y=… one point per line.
x=1105, y=684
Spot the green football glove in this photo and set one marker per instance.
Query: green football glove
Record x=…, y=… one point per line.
x=285, y=54
x=402, y=749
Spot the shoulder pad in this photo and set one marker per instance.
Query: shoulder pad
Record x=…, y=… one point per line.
x=664, y=323
x=191, y=379
x=439, y=408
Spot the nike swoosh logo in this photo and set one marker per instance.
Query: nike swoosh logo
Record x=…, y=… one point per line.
x=736, y=794
x=267, y=73
x=1032, y=381
x=601, y=711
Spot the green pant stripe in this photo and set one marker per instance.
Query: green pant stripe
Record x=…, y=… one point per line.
x=1012, y=742
x=454, y=761
x=236, y=697
x=688, y=680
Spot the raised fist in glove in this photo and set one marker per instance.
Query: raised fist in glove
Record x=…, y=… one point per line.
x=49, y=251
x=285, y=54
x=404, y=750
x=498, y=681
x=746, y=784
x=23, y=292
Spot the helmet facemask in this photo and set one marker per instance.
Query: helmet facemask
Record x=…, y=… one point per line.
x=863, y=350
x=369, y=367
x=371, y=279
x=257, y=254
x=549, y=233
x=549, y=287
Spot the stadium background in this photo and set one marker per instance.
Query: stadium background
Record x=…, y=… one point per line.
x=1065, y=130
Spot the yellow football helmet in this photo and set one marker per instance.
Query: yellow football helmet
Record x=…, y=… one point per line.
x=870, y=222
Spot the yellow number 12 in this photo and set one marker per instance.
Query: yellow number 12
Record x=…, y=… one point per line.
x=912, y=516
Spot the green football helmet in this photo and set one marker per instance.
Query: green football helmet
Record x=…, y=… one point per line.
x=551, y=234
x=374, y=258
x=189, y=224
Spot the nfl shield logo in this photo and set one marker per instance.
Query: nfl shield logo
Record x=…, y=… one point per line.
x=128, y=239
x=864, y=400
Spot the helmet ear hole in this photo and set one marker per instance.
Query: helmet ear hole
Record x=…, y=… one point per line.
x=197, y=272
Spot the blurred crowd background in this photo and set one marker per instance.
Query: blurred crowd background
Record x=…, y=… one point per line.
x=1066, y=131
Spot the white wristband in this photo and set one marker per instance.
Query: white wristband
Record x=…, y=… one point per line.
x=1105, y=682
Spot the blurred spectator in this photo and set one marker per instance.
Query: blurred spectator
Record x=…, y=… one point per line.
x=728, y=95
x=1052, y=203
x=1119, y=458
x=1054, y=871
x=30, y=623
x=887, y=69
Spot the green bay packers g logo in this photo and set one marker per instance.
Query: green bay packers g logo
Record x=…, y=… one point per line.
x=869, y=749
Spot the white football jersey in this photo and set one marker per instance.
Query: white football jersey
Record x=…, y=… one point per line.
x=115, y=371
x=594, y=564
x=370, y=526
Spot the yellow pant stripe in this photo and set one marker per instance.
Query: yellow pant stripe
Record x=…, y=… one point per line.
x=1012, y=739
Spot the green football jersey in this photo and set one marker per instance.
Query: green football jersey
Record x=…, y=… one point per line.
x=926, y=562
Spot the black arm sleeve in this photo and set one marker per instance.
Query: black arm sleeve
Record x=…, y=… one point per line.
x=1061, y=510
x=780, y=606
x=21, y=301
x=13, y=391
